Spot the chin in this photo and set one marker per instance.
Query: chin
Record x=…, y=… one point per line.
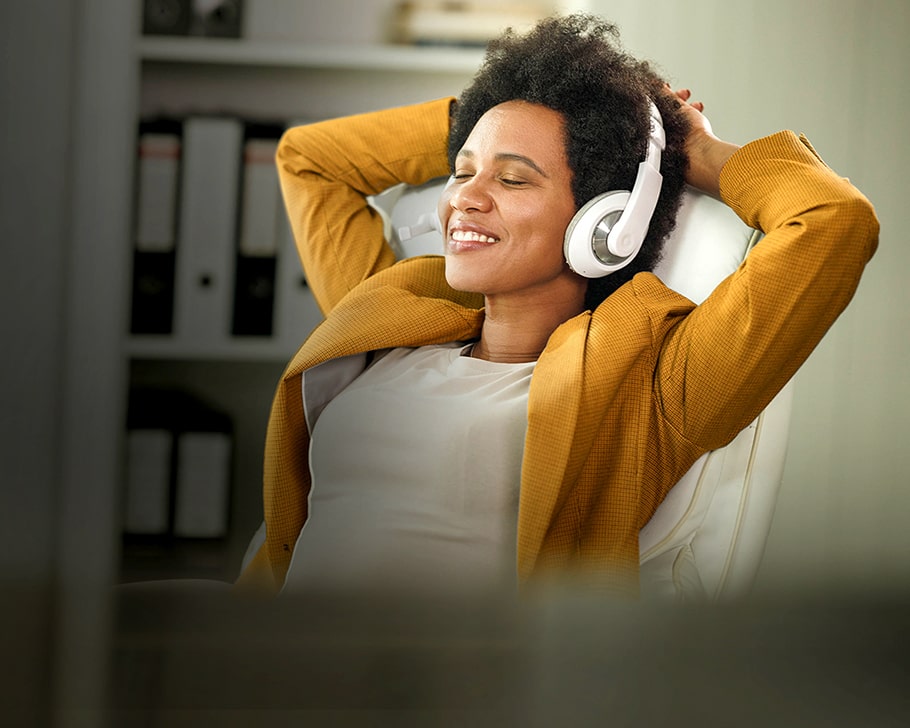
x=460, y=279
x=458, y=283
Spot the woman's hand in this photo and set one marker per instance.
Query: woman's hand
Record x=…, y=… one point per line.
x=707, y=154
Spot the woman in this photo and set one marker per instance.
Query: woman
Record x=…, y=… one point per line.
x=490, y=417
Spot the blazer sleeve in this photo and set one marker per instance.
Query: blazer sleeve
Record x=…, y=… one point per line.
x=326, y=171
x=727, y=359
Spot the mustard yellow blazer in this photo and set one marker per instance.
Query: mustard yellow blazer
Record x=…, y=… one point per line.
x=624, y=398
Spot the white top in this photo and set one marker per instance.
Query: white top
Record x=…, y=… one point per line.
x=416, y=472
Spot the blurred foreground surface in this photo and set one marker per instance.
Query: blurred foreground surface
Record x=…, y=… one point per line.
x=180, y=655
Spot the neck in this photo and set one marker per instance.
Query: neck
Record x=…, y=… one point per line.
x=514, y=332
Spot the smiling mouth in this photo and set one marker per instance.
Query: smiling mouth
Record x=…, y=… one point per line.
x=468, y=236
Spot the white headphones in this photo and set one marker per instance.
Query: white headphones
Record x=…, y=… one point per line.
x=608, y=231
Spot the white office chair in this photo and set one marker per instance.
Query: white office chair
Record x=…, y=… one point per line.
x=705, y=542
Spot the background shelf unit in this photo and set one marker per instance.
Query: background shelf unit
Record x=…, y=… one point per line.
x=274, y=81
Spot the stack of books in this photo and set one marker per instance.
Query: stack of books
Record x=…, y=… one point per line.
x=443, y=22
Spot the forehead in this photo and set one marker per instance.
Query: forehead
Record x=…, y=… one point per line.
x=519, y=127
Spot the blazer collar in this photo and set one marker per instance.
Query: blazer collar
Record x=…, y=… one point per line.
x=408, y=304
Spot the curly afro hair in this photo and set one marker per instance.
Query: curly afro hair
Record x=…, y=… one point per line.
x=575, y=65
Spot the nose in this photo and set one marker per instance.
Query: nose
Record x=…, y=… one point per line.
x=471, y=194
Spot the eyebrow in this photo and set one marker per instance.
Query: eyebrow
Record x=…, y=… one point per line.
x=508, y=157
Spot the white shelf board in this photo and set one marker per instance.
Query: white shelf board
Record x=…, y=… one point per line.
x=284, y=54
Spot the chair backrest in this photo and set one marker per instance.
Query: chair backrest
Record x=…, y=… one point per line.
x=705, y=541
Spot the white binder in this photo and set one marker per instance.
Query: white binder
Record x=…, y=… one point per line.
x=148, y=482
x=207, y=231
x=203, y=484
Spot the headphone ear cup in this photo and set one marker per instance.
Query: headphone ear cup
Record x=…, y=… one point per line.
x=608, y=231
x=585, y=244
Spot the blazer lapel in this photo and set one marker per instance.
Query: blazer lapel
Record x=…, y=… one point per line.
x=553, y=407
x=406, y=305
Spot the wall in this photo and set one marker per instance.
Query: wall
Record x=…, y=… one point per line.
x=36, y=104
x=836, y=71
x=64, y=203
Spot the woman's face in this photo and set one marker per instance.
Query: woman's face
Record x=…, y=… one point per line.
x=505, y=212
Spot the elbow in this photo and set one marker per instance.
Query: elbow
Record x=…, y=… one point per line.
x=293, y=155
x=848, y=230
x=873, y=227
x=281, y=149
x=286, y=156
x=287, y=151
x=859, y=214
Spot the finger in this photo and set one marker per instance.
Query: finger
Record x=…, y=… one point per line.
x=684, y=94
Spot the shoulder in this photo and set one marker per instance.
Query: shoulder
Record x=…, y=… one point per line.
x=635, y=318
x=643, y=301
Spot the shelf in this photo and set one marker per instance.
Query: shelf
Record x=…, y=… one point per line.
x=238, y=350
x=284, y=54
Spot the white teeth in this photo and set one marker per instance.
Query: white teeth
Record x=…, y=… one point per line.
x=468, y=236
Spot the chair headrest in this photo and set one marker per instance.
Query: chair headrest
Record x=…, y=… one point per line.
x=708, y=243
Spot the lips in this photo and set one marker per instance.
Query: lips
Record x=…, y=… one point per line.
x=465, y=236
x=469, y=236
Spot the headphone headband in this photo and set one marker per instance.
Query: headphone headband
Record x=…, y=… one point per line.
x=608, y=231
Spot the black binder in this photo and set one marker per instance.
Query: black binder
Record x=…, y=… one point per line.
x=157, y=187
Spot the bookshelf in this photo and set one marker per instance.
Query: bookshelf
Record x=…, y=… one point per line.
x=254, y=80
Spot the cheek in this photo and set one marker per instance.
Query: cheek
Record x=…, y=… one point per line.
x=443, y=206
x=549, y=235
x=443, y=209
